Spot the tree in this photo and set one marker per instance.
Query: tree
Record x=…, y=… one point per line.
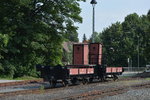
x=148, y=12
x=146, y=39
x=35, y=32
x=94, y=37
x=84, y=38
x=120, y=41
x=131, y=32
x=112, y=42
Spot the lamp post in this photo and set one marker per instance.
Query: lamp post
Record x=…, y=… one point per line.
x=138, y=55
x=128, y=63
x=93, y=2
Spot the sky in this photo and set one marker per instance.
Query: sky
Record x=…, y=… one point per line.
x=108, y=12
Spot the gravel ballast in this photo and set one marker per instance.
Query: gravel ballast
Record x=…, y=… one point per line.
x=138, y=94
x=5, y=81
x=62, y=93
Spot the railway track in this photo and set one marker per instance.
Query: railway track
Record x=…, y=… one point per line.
x=5, y=84
x=20, y=82
x=107, y=92
x=48, y=90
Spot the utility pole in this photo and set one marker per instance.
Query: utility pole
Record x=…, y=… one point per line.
x=138, y=55
x=93, y=2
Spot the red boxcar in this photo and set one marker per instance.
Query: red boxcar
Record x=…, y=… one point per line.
x=80, y=54
x=95, y=53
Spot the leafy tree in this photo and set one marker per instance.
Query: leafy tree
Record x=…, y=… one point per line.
x=32, y=32
x=121, y=41
x=148, y=13
x=112, y=40
x=131, y=33
x=84, y=38
x=146, y=37
x=67, y=53
x=94, y=37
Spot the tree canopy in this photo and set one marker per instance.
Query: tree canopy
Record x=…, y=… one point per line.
x=84, y=38
x=122, y=40
x=32, y=32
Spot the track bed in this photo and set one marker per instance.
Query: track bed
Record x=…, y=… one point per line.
x=96, y=90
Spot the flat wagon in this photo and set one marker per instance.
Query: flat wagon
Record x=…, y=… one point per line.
x=87, y=66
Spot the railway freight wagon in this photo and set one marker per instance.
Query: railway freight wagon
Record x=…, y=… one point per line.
x=87, y=66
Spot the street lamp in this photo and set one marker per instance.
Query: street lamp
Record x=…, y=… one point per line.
x=93, y=2
x=138, y=54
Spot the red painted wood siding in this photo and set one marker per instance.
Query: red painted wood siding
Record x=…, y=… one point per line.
x=95, y=53
x=80, y=54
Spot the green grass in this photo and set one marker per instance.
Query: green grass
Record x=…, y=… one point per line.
x=5, y=78
x=19, y=78
x=147, y=78
x=26, y=78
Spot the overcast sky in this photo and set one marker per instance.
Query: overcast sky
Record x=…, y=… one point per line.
x=108, y=12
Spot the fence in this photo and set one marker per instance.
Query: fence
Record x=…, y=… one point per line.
x=132, y=69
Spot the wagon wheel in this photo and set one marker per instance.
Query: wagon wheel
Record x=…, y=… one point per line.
x=52, y=83
x=74, y=81
x=103, y=78
x=115, y=77
x=90, y=80
x=65, y=83
x=84, y=81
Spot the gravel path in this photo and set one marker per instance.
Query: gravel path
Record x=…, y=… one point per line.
x=22, y=87
x=60, y=93
x=140, y=94
x=5, y=81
